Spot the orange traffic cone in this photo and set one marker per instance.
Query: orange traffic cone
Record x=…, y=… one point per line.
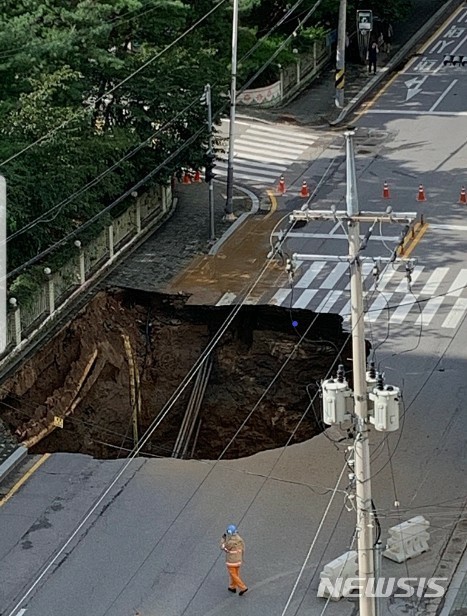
x=386, y=194
x=187, y=178
x=281, y=185
x=304, y=192
x=197, y=177
x=463, y=196
x=421, y=193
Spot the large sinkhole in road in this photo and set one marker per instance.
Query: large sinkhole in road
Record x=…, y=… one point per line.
x=125, y=355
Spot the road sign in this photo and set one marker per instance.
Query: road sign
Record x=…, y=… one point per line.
x=365, y=21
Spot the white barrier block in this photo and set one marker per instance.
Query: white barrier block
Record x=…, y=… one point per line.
x=335, y=573
x=408, y=539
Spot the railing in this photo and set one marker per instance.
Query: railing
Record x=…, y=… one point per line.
x=61, y=286
x=292, y=78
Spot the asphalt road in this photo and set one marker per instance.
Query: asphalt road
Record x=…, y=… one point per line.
x=150, y=545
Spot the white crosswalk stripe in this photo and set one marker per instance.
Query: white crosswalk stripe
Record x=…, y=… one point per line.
x=437, y=298
x=263, y=152
x=323, y=287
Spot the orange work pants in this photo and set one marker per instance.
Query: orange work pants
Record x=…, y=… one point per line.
x=235, y=581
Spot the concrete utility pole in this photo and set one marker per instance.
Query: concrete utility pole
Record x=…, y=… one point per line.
x=340, y=54
x=3, y=319
x=362, y=448
x=337, y=410
x=207, y=97
x=229, y=215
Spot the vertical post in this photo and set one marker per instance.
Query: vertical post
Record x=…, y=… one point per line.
x=340, y=55
x=50, y=284
x=212, y=229
x=281, y=82
x=298, y=71
x=17, y=316
x=229, y=215
x=315, y=55
x=3, y=316
x=362, y=450
x=111, y=241
x=82, y=265
x=138, y=216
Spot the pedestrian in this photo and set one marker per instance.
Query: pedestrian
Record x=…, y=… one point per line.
x=389, y=35
x=234, y=547
x=372, y=57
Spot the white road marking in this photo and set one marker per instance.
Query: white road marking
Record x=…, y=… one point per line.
x=403, y=288
x=403, y=309
x=268, y=143
x=280, y=297
x=310, y=275
x=335, y=275
x=459, y=283
x=345, y=312
x=253, y=165
x=241, y=166
x=434, y=281
x=21, y=612
x=456, y=314
x=305, y=298
x=280, y=135
x=429, y=311
x=446, y=91
x=449, y=227
x=329, y=301
x=413, y=91
x=227, y=299
x=449, y=114
x=259, y=153
x=377, y=307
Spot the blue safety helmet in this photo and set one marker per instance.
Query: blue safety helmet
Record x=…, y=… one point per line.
x=231, y=529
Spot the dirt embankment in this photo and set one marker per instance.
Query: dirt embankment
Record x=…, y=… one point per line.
x=83, y=378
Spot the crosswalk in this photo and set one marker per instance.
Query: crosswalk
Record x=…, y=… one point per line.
x=436, y=298
x=264, y=151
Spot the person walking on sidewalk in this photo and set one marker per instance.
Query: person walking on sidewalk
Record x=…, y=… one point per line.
x=234, y=547
x=372, y=57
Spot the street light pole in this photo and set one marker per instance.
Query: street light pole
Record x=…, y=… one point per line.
x=207, y=96
x=340, y=55
x=362, y=449
x=229, y=215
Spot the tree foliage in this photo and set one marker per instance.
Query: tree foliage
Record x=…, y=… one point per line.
x=64, y=70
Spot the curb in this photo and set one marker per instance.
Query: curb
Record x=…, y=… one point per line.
x=12, y=461
x=240, y=220
x=399, y=57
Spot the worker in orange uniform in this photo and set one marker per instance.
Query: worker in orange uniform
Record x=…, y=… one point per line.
x=234, y=547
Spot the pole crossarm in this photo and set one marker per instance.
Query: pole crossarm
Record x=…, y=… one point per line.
x=309, y=215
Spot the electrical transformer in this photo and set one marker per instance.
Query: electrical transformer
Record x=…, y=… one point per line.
x=335, y=394
x=386, y=408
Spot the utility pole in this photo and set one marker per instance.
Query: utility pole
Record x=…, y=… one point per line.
x=384, y=413
x=229, y=215
x=207, y=99
x=362, y=448
x=340, y=54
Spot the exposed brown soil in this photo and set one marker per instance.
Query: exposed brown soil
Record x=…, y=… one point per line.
x=83, y=376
